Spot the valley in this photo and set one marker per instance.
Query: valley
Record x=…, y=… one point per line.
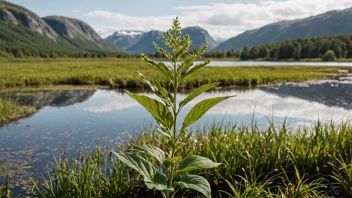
x=99, y=99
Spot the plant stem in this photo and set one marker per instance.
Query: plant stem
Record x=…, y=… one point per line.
x=173, y=139
x=174, y=106
x=163, y=194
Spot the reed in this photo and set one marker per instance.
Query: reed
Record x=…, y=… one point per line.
x=277, y=162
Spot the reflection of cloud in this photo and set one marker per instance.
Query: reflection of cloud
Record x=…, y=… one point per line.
x=112, y=101
x=261, y=103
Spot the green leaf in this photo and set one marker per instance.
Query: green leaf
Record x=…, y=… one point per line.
x=188, y=61
x=158, y=90
x=159, y=182
x=196, y=183
x=164, y=130
x=195, y=162
x=186, y=44
x=160, y=66
x=201, y=108
x=153, y=151
x=197, y=92
x=152, y=177
x=162, y=51
x=195, y=68
x=179, y=145
x=141, y=165
x=157, y=109
x=175, y=160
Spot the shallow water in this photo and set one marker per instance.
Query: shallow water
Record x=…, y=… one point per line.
x=272, y=63
x=70, y=122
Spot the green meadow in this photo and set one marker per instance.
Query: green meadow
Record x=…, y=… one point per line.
x=123, y=73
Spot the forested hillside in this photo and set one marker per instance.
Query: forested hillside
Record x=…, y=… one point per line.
x=25, y=34
x=315, y=47
x=331, y=23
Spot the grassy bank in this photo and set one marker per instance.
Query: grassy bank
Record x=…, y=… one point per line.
x=309, y=162
x=10, y=110
x=123, y=73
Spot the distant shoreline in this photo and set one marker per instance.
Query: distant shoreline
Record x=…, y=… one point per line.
x=122, y=73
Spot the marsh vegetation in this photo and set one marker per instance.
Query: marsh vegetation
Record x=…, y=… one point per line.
x=217, y=160
x=10, y=110
x=121, y=73
x=276, y=162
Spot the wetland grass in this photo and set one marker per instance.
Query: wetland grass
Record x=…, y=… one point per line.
x=309, y=162
x=10, y=110
x=123, y=73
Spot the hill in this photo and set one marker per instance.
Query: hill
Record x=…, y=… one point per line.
x=23, y=33
x=328, y=24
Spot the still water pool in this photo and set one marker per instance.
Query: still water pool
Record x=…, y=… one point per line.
x=70, y=122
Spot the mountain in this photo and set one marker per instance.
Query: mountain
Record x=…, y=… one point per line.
x=42, y=99
x=124, y=38
x=328, y=24
x=324, y=93
x=10, y=13
x=79, y=34
x=199, y=37
x=23, y=33
x=142, y=43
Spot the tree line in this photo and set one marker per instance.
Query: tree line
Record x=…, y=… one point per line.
x=330, y=47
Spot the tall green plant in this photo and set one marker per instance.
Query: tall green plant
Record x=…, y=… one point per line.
x=172, y=172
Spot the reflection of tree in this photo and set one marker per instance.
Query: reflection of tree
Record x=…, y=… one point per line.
x=329, y=94
x=41, y=99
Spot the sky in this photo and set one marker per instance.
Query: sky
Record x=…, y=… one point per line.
x=222, y=19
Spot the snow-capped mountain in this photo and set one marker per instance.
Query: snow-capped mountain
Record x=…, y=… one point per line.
x=125, y=38
x=136, y=42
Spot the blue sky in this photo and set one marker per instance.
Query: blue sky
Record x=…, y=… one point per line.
x=222, y=19
x=129, y=7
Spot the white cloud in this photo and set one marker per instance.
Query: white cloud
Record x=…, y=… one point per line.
x=221, y=20
x=76, y=11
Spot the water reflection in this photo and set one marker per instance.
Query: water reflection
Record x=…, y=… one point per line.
x=73, y=121
x=41, y=99
x=331, y=94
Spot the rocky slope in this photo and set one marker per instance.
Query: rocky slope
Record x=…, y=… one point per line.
x=23, y=34
x=79, y=33
x=10, y=13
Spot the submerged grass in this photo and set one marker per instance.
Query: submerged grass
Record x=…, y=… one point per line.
x=5, y=190
x=123, y=73
x=10, y=110
x=309, y=162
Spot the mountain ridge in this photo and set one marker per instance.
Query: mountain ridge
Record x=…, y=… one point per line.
x=124, y=38
x=23, y=33
x=330, y=23
x=142, y=43
x=76, y=31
